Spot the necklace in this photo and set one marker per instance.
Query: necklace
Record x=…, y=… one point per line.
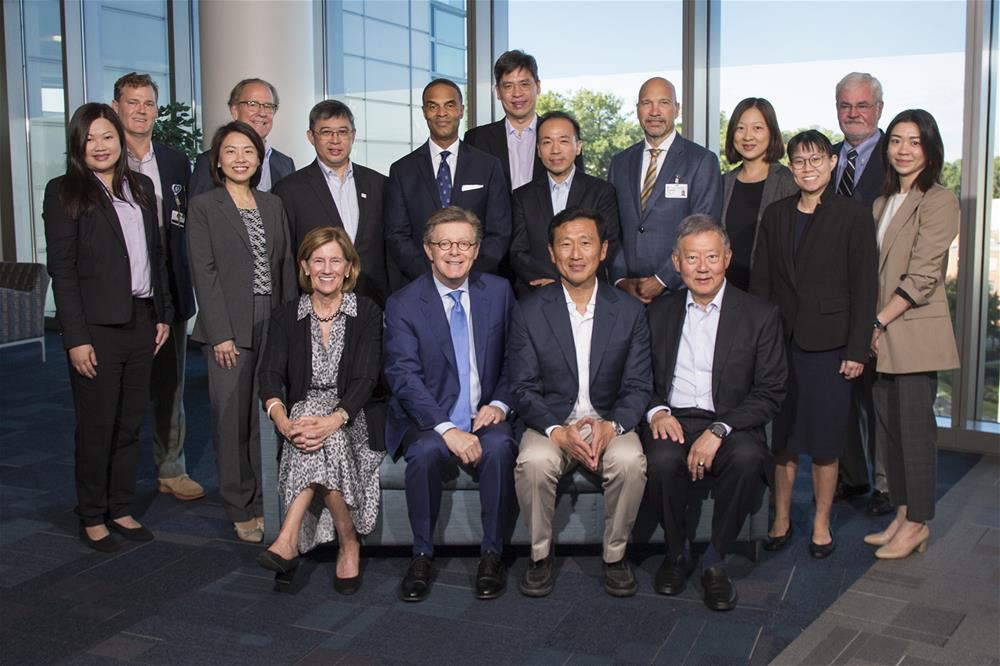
x=331, y=317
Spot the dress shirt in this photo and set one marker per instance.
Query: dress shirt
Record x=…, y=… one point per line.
x=663, y=148
x=521, y=151
x=583, y=331
x=134, y=230
x=475, y=388
x=436, y=151
x=345, y=197
x=560, y=191
x=865, y=150
x=891, y=208
x=147, y=166
x=265, y=170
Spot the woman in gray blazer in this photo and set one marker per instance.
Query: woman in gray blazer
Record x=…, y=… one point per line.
x=754, y=140
x=242, y=269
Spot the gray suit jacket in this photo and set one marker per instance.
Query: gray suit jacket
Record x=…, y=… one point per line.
x=222, y=265
x=779, y=184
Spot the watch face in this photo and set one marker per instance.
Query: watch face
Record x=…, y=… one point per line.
x=719, y=430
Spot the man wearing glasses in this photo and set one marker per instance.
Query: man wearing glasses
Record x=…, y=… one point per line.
x=445, y=342
x=335, y=191
x=254, y=102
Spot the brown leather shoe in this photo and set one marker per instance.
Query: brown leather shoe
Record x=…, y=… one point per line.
x=182, y=487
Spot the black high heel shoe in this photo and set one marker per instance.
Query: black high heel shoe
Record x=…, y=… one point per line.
x=818, y=551
x=105, y=544
x=779, y=542
x=130, y=533
x=276, y=563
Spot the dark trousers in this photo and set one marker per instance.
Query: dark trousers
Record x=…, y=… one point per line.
x=740, y=477
x=109, y=410
x=427, y=459
x=859, y=450
x=167, y=394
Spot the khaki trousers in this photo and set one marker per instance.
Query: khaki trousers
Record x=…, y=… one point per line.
x=540, y=465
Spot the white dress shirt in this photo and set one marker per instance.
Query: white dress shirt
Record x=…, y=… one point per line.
x=345, y=197
x=436, y=151
x=521, y=152
x=663, y=148
x=560, y=191
x=892, y=207
x=265, y=170
x=147, y=166
x=583, y=332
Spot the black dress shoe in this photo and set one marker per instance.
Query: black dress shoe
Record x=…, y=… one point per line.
x=846, y=491
x=720, y=591
x=671, y=577
x=538, y=580
x=778, y=542
x=107, y=544
x=276, y=563
x=619, y=581
x=131, y=533
x=818, y=551
x=879, y=505
x=416, y=583
x=491, y=577
x=348, y=586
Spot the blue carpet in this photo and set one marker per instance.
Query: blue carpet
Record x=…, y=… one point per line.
x=195, y=596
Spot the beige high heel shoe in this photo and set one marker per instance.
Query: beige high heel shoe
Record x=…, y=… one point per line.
x=898, y=552
x=881, y=538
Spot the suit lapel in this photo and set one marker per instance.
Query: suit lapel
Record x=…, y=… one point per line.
x=500, y=148
x=269, y=222
x=362, y=187
x=423, y=155
x=433, y=310
x=479, y=302
x=729, y=315
x=604, y=323
x=317, y=181
x=545, y=200
x=674, y=330
x=897, y=222
x=558, y=318
x=786, y=230
x=577, y=189
x=111, y=217
x=634, y=175
x=232, y=216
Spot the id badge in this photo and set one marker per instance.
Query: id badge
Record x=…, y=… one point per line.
x=676, y=191
x=177, y=219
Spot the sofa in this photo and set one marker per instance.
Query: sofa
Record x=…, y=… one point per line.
x=22, y=304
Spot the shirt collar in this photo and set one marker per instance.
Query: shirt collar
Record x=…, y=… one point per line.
x=330, y=173
x=553, y=185
x=437, y=150
x=665, y=146
x=512, y=130
x=717, y=301
x=348, y=305
x=865, y=148
x=444, y=290
x=590, y=304
x=148, y=157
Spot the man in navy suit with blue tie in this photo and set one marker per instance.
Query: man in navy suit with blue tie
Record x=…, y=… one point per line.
x=445, y=340
x=660, y=181
x=445, y=172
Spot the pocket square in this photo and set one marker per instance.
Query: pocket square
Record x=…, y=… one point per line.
x=364, y=196
x=466, y=188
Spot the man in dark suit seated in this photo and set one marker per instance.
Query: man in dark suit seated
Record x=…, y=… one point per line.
x=445, y=172
x=580, y=377
x=719, y=375
x=255, y=102
x=335, y=191
x=564, y=186
x=445, y=343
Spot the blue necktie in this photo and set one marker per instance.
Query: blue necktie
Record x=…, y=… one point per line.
x=461, y=413
x=444, y=180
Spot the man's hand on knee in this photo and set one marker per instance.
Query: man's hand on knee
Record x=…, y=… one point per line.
x=569, y=439
x=465, y=445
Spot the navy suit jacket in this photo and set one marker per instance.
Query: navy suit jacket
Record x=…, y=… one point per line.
x=544, y=378
x=175, y=169
x=647, y=239
x=201, y=180
x=412, y=196
x=869, y=186
x=420, y=365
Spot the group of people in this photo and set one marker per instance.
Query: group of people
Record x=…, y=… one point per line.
x=632, y=348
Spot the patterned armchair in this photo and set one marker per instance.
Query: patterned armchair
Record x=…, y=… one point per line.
x=22, y=304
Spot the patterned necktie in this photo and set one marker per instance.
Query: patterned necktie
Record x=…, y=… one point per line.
x=847, y=179
x=461, y=412
x=444, y=180
x=647, y=182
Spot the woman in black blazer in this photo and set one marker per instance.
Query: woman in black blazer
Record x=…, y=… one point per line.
x=816, y=259
x=322, y=362
x=109, y=280
x=241, y=268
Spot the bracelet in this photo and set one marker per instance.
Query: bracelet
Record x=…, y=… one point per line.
x=879, y=325
x=272, y=406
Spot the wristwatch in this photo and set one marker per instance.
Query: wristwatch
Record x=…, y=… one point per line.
x=718, y=429
x=619, y=428
x=343, y=414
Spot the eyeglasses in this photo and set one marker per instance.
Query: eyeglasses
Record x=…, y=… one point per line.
x=254, y=105
x=341, y=134
x=862, y=107
x=799, y=163
x=446, y=245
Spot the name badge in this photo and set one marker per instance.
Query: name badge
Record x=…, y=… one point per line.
x=177, y=219
x=676, y=191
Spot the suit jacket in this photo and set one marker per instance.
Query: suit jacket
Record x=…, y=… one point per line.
x=913, y=259
x=544, y=377
x=779, y=184
x=749, y=367
x=88, y=261
x=531, y=213
x=412, y=196
x=492, y=139
x=309, y=204
x=222, y=265
x=175, y=170
x=281, y=165
x=869, y=187
x=420, y=365
x=647, y=239
x=827, y=290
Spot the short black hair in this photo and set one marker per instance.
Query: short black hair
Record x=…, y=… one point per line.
x=775, y=148
x=810, y=139
x=330, y=108
x=438, y=82
x=238, y=127
x=930, y=143
x=512, y=61
x=576, y=213
x=552, y=115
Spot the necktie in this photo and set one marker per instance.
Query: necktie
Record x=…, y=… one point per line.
x=461, y=412
x=847, y=179
x=444, y=180
x=647, y=182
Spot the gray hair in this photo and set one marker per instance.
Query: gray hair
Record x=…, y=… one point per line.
x=692, y=225
x=452, y=214
x=237, y=91
x=858, y=78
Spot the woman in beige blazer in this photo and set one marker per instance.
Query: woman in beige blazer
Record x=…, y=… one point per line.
x=917, y=220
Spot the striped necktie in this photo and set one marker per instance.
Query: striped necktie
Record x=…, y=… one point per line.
x=847, y=179
x=650, y=179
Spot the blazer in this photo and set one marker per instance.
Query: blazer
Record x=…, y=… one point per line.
x=531, y=208
x=779, y=184
x=222, y=265
x=492, y=138
x=89, y=265
x=544, y=377
x=309, y=204
x=412, y=196
x=749, y=366
x=286, y=366
x=281, y=165
x=420, y=365
x=175, y=170
x=913, y=260
x=647, y=239
x=827, y=291
x=869, y=187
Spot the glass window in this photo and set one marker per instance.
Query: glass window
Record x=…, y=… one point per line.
x=989, y=334
x=114, y=48
x=449, y=26
x=384, y=41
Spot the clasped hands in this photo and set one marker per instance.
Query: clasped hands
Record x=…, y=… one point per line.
x=703, y=450
x=645, y=289
x=307, y=433
x=573, y=440
x=465, y=445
